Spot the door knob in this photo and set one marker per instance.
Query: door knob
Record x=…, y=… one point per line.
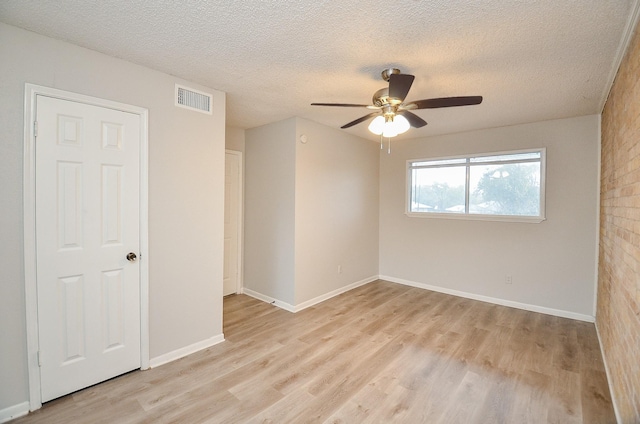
x=131, y=257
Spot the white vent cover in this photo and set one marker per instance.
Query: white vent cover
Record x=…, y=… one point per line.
x=189, y=98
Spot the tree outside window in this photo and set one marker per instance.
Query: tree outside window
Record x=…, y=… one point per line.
x=507, y=184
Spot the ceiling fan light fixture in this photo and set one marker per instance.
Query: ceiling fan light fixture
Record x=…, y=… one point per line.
x=389, y=126
x=389, y=132
x=377, y=125
x=401, y=123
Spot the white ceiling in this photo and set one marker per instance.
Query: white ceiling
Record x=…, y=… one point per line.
x=532, y=60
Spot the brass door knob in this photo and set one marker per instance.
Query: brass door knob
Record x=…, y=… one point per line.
x=131, y=257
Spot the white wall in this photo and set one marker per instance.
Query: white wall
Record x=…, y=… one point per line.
x=552, y=263
x=336, y=210
x=269, y=210
x=186, y=192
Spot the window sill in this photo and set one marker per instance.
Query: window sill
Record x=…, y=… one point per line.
x=477, y=217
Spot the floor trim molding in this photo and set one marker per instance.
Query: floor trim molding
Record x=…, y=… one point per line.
x=606, y=370
x=309, y=303
x=184, y=351
x=495, y=300
x=13, y=412
x=334, y=293
x=268, y=299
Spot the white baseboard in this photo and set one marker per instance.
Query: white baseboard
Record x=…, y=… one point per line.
x=334, y=293
x=275, y=302
x=184, y=351
x=15, y=411
x=606, y=370
x=307, y=304
x=495, y=300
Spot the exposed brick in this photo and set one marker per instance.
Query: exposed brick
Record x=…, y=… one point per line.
x=618, y=310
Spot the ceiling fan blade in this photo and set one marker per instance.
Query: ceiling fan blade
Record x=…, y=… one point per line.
x=444, y=102
x=339, y=104
x=399, y=85
x=359, y=120
x=414, y=120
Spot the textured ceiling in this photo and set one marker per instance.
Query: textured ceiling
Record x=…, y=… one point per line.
x=532, y=60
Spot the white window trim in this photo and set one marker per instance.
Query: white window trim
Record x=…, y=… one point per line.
x=480, y=217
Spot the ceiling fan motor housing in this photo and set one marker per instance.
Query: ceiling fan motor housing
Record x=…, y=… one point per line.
x=386, y=74
x=381, y=98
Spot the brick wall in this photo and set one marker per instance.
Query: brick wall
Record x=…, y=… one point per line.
x=618, y=310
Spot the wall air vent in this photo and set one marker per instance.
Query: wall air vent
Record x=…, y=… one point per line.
x=189, y=98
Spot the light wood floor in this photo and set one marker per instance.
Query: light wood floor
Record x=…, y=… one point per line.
x=382, y=353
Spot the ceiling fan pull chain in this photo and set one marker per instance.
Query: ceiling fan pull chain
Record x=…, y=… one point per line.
x=380, y=141
x=389, y=151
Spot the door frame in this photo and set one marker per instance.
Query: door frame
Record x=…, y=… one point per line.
x=240, y=282
x=31, y=92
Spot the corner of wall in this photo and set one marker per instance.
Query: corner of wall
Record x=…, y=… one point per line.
x=597, y=264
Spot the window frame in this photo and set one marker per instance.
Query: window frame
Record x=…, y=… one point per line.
x=467, y=164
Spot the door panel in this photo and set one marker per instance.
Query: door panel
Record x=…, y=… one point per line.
x=87, y=220
x=232, y=199
x=113, y=304
x=69, y=187
x=71, y=294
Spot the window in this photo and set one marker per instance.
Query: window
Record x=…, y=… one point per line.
x=505, y=186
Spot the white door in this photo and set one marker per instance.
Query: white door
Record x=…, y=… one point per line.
x=232, y=209
x=87, y=222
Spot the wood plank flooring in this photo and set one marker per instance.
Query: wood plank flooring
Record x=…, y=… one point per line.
x=381, y=353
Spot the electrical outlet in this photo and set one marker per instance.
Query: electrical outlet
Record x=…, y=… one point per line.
x=339, y=269
x=508, y=279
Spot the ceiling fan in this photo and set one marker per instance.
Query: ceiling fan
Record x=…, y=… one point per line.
x=393, y=115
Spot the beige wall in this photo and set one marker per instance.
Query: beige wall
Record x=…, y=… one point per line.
x=336, y=210
x=234, y=139
x=618, y=317
x=308, y=208
x=552, y=263
x=186, y=192
x=269, y=210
